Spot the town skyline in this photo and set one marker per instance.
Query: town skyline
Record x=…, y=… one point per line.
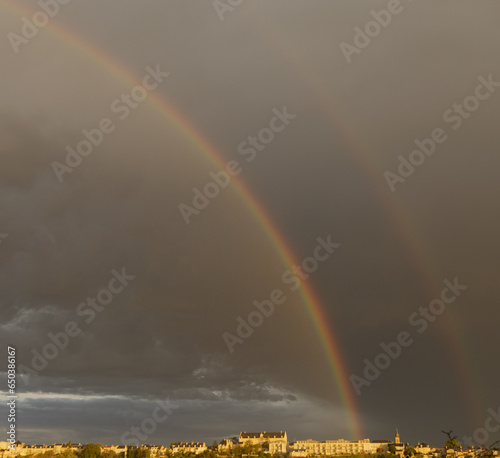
x=263, y=444
x=466, y=442
x=259, y=437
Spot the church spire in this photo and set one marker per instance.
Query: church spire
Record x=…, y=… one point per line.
x=396, y=439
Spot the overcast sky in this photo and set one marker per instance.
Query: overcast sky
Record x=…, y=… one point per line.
x=352, y=108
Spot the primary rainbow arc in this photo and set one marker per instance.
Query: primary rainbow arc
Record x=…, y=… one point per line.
x=325, y=334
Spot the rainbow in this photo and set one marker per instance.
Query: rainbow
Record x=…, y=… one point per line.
x=415, y=248
x=174, y=116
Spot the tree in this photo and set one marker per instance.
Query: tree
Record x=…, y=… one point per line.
x=91, y=451
x=48, y=454
x=392, y=449
x=452, y=442
x=67, y=453
x=108, y=454
x=139, y=452
x=410, y=451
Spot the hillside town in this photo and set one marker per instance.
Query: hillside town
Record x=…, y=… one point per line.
x=253, y=444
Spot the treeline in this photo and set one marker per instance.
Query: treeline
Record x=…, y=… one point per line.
x=91, y=451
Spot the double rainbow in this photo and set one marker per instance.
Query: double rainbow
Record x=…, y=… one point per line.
x=401, y=224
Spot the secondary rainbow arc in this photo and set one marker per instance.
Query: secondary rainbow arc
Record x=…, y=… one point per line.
x=420, y=257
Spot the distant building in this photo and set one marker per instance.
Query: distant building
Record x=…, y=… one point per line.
x=193, y=447
x=400, y=447
x=226, y=445
x=115, y=448
x=260, y=438
x=424, y=449
x=381, y=444
x=24, y=450
x=309, y=447
x=156, y=450
x=278, y=442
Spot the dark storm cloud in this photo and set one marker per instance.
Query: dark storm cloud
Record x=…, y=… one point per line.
x=161, y=336
x=76, y=419
x=154, y=331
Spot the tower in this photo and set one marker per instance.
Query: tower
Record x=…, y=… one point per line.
x=396, y=438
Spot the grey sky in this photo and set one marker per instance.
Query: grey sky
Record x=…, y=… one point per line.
x=323, y=174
